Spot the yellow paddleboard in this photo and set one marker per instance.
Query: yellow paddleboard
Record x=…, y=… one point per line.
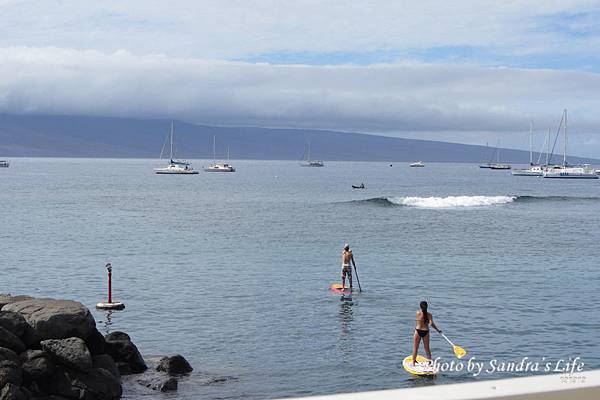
x=421, y=368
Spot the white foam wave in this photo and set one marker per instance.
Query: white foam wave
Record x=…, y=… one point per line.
x=451, y=201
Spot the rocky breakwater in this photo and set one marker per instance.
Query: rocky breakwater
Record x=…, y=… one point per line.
x=52, y=349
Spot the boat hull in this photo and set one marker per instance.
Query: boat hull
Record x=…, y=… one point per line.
x=218, y=170
x=165, y=172
x=569, y=175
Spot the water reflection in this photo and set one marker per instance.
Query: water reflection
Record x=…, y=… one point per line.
x=107, y=322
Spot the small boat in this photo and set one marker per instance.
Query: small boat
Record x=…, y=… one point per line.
x=175, y=167
x=497, y=164
x=361, y=186
x=533, y=169
x=566, y=171
x=4, y=164
x=219, y=167
x=312, y=163
x=597, y=172
x=418, y=164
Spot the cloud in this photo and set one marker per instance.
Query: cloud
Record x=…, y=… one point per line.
x=389, y=98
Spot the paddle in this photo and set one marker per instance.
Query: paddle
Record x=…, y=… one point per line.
x=357, y=280
x=458, y=351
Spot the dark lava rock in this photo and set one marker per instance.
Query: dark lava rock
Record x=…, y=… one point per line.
x=124, y=368
x=174, y=365
x=160, y=384
x=71, y=352
x=97, y=384
x=11, y=374
x=96, y=343
x=9, y=358
x=106, y=362
x=123, y=350
x=117, y=336
x=55, y=319
x=7, y=299
x=36, y=365
x=10, y=341
x=58, y=384
x=13, y=322
x=12, y=392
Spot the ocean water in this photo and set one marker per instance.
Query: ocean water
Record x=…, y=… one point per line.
x=232, y=270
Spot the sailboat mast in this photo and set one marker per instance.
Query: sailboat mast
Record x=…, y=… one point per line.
x=214, y=149
x=565, y=151
x=171, y=140
x=227, y=153
x=308, y=152
x=531, y=143
x=548, y=147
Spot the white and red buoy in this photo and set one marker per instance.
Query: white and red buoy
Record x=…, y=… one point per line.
x=110, y=305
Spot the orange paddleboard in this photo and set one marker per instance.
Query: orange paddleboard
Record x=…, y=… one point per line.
x=337, y=288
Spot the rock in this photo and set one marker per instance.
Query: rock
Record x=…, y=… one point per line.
x=9, y=358
x=96, y=343
x=174, y=365
x=36, y=365
x=11, y=374
x=7, y=299
x=97, y=384
x=10, y=341
x=117, y=336
x=161, y=384
x=106, y=362
x=124, y=368
x=55, y=319
x=12, y=392
x=71, y=352
x=124, y=351
x=13, y=322
x=58, y=384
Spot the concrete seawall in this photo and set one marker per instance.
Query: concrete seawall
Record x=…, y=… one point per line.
x=580, y=386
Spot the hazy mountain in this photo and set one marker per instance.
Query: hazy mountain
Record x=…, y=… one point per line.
x=69, y=136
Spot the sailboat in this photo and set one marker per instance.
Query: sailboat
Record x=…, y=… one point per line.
x=4, y=164
x=534, y=169
x=566, y=171
x=175, y=167
x=497, y=164
x=312, y=163
x=219, y=167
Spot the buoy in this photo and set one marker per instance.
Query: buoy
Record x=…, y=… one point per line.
x=110, y=305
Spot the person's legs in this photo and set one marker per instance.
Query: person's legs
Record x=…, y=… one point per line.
x=343, y=279
x=350, y=278
x=416, y=341
x=426, y=345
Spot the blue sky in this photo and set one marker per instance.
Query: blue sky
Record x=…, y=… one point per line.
x=470, y=72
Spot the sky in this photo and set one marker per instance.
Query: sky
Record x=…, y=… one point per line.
x=471, y=72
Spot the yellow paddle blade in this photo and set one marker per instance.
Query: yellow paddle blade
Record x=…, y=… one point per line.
x=459, y=351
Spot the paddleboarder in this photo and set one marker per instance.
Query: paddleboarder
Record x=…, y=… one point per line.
x=424, y=319
x=347, y=258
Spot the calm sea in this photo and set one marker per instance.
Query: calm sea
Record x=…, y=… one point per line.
x=232, y=270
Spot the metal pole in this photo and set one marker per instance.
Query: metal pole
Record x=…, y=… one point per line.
x=565, y=153
x=109, y=268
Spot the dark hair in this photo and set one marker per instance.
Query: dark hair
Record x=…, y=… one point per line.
x=423, y=306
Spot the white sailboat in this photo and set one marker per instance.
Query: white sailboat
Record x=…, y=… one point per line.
x=175, y=167
x=417, y=164
x=533, y=169
x=219, y=166
x=312, y=163
x=4, y=164
x=566, y=171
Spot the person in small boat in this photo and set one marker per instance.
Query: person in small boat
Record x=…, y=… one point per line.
x=347, y=259
x=424, y=319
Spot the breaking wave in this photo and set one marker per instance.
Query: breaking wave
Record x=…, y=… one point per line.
x=464, y=201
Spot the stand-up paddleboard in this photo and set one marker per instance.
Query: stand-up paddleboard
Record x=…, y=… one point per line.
x=423, y=366
x=337, y=288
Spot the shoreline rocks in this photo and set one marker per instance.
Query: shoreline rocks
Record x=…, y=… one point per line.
x=51, y=349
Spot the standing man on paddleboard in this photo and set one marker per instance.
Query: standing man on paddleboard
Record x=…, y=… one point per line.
x=347, y=258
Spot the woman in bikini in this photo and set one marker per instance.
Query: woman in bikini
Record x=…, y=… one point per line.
x=424, y=319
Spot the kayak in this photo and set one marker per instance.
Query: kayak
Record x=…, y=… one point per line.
x=337, y=288
x=423, y=366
